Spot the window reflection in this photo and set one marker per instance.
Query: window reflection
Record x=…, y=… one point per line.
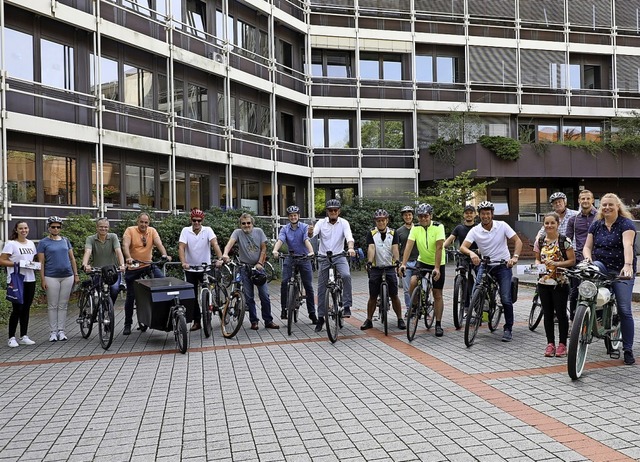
x=548, y=133
x=197, y=103
x=196, y=17
x=140, y=186
x=424, y=69
x=370, y=134
x=140, y=6
x=59, y=180
x=18, y=49
x=199, y=191
x=21, y=176
x=56, y=65
x=317, y=127
x=339, y=133
x=108, y=77
x=111, y=179
x=138, y=87
x=446, y=69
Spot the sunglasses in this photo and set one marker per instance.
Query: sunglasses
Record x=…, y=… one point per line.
x=144, y=241
x=196, y=221
x=55, y=226
x=245, y=223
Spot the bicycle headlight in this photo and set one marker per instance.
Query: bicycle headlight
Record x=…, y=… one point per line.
x=587, y=289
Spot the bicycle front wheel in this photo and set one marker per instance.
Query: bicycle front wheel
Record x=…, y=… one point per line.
x=495, y=311
x=474, y=316
x=332, y=316
x=429, y=312
x=106, y=322
x=232, y=315
x=415, y=310
x=384, y=307
x=292, y=296
x=613, y=340
x=180, y=330
x=458, y=300
x=579, y=341
x=535, y=315
x=85, y=307
x=206, y=308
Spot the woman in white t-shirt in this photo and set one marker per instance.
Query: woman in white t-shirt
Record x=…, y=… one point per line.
x=19, y=248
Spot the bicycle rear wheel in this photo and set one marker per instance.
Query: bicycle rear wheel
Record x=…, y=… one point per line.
x=474, y=316
x=292, y=296
x=429, y=312
x=207, y=309
x=459, y=287
x=613, y=340
x=232, y=315
x=535, y=315
x=579, y=341
x=384, y=308
x=332, y=316
x=85, y=306
x=495, y=311
x=180, y=329
x=106, y=322
x=415, y=310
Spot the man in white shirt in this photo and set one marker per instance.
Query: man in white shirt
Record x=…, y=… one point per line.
x=194, y=249
x=492, y=236
x=332, y=232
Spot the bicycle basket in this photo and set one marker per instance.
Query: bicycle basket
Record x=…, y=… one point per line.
x=110, y=274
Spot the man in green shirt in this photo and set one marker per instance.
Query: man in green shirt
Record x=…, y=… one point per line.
x=428, y=236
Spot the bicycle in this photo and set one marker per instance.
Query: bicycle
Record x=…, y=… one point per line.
x=421, y=303
x=384, y=298
x=462, y=286
x=234, y=309
x=536, y=314
x=95, y=305
x=295, y=297
x=165, y=289
x=484, y=298
x=596, y=316
x=212, y=295
x=333, y=298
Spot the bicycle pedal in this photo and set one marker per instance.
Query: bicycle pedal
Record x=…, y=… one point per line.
x=79, y=320
x=615, y=354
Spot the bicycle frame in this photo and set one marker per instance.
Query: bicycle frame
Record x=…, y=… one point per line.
x=421, y=303
x=333, y=298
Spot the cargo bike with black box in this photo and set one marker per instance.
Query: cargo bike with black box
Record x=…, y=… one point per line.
x=166, y=304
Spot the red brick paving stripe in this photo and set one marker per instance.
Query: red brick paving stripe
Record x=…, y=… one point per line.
x=580, y=443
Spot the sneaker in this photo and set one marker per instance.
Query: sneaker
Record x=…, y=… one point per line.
x=53, y=337
x=628, y=358
x=346, y=312
x=367, y=325
x=313, y=318
x=25, y=340
x=439, y=331
x=561, y=351
x=550, y=351
x=127, y=329
x=401, y=324
x=61, y=335
x=12, y=343
x=283, y=314
x=319, y=324
x=507, y=336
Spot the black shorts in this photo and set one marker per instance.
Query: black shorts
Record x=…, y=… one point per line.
x=375, y=278
x=439, y=284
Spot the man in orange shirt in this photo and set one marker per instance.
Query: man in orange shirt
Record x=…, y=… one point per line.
x=137, y=244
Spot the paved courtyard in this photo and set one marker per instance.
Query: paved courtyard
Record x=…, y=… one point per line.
x=269, y=397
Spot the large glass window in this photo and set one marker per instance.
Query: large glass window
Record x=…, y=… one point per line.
x=375, y=66
x=424, y=69
x=285, y=55
x=21, y=176
x=59, y=180
x=370, y=134
x=317, y=127
x=111, y=178
x=199, y=191
x=528, y=204
x=140, y=186
x=197, y=103
x=138, y=87
x=246, y=37
x=56, y=65
x=559, y=76
x=393, y=134
x=250, y=195
x=220, y=28
x=196, y=17
x=548, y=133
x=446, y=69
x=108, y=77
x=18, y=49
x=369, y=66
x=165, y=192
x=141, y=6
x=339, y=133
x=572, y=133
x=247, y=120
x=391, y=67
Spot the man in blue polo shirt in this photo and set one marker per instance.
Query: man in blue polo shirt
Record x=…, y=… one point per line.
x=295, y=235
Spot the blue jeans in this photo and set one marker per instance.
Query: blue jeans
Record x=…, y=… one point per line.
x=624, y=292
x=323, y=276
x=406, y=283
x=129, y=277
x=503, y=275
x=249, y=297
x=306, y=275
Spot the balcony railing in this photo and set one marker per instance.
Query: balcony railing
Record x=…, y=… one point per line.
x=385, y=89
x=335, y=158
x=387, y=158
x=335, y=87
x=292, y=153
x=454, y=92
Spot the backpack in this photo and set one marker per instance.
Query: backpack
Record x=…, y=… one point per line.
x=562, y=240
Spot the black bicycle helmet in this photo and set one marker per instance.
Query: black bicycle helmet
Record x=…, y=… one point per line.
x=258, y=277
x=380, y=213
x=54, y=219
x=485, y=205
x=557, y=195
x=406, y=208
x=293, y=209
x=469, y=207
x=424, y=209
x=333, y=204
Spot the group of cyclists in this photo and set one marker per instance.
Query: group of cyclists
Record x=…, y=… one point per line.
x=565, y=238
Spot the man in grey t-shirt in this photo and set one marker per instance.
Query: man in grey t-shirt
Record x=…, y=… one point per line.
x=252, y=250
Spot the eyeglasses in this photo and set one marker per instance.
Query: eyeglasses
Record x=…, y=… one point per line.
x=423, y=216
x=144, y=241
x=196, y=221
x=55, y=226
x=245, y=223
